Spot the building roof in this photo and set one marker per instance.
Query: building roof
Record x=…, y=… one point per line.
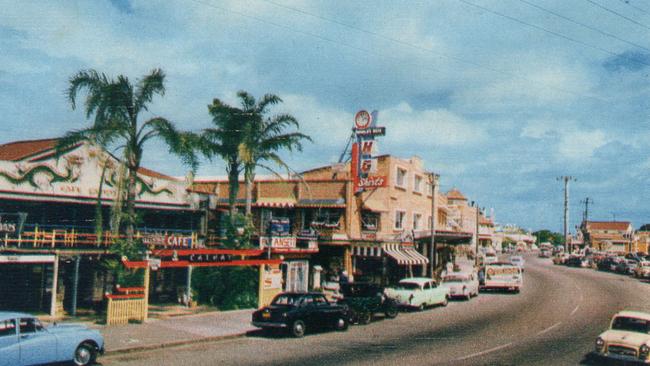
x=18, y=150
x=455, y=194
x=608, y=225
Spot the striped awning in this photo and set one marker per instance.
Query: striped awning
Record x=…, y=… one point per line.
x=366, y=251
x=405, y=255
x=276, y=202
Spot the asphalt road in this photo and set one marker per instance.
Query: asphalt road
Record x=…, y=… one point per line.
x=553, y=321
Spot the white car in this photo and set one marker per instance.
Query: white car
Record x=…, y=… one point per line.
x=461, y=284
x=518, y=261
x=628, y=338
x=642, y=270
x=418, y=292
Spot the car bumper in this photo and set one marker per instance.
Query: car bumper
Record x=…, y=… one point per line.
x=632, y=359
x=269, y=324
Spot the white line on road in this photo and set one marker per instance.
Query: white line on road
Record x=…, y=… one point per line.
x=575, y=310
x=549, y=328
x=484, y=352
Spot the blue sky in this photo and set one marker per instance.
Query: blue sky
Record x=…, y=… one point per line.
x=499, y=97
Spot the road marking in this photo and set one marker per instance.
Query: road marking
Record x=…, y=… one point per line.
x=549, y=328
x=484, y=352
x=575, y=310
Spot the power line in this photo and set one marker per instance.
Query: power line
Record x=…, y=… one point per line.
x=420, y=48
x=557, y=34
x=618, y=14
x=584, y=25
x=627, y=2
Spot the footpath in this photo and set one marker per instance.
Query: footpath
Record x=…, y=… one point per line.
x=175, y=331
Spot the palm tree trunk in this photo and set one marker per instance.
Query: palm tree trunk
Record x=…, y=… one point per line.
x=233, y=189
x=248, y=177
x=130, y=203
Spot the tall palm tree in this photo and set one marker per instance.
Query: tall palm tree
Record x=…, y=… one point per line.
x=116, y=105
x=223, y=140
x=263, y=137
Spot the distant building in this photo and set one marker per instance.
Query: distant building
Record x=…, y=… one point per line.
x=611, y=236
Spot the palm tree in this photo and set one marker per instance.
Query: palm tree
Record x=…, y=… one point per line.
x=264, y=137
x=223, y=140
x=116, y=105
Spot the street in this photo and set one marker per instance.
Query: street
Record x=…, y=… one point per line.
x=554, y=320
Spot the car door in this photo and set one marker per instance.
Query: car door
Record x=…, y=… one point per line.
x=9, y=343
x=438, y=293
x=429, y=293
x=37, y=345
x=323, y=311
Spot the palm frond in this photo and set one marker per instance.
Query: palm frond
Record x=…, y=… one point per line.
x=247, y=100
x=179, y=143
x=147, y=87
x=266, y=101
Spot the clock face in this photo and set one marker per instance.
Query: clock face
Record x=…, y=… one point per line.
x=362, y=119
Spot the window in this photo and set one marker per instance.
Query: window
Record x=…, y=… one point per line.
x=400, y=178
x=417, y=218
x=7, y=328
x=29, y=325
x=399, y=219
x=417, y=183
x=369, y=221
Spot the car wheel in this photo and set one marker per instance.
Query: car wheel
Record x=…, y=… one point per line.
x=298, y=328
x=341, y=324
x=468, y=295
x=445, y=302
x=391, y=312
x=421, y=307
x=365, y=318
x=85, y=354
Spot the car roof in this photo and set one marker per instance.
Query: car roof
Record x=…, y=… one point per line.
x=12, y=315
x=418, y=280
x=634, y=314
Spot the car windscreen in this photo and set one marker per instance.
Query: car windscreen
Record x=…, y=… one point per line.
x=292, y=300
x=408, y=286
x=631, y=324
x=454, y=279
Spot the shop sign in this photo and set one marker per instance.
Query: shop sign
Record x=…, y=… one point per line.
x=7, y=259
x=167, y=241
x=272, y=278
x=371, y=132
x=373, y=182
x=364, y=152
x=369, y=235
x=285, y=242
x=213, y=258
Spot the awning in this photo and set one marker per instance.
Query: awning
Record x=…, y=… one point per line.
x=366, y=251
x=374, y=205
x=405, y=255
x=276, y=202
x=325, y=202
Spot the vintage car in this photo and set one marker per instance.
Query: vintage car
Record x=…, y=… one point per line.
x=560, y=258
x=461, y=284
x=298, y=312
x=518, y=261
x=418, y=293
x=628, y=338
x=642, y=270
x=501, y=276
x=25, y=341
x=365, y=300
x=545, y=253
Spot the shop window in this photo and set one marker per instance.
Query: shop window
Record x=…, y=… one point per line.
x=417, y=224
x=417, y=184
x=369, y=221
x=400, y=178
x=7, y=328
x=399, y=219
x=326, y=219
x=275, y=222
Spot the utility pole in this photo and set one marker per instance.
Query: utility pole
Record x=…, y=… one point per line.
x=586, y=202
x=475, y=204
x=566, y=179
x=433, y=177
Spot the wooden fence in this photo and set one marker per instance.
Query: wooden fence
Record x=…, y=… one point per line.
x=129, y=304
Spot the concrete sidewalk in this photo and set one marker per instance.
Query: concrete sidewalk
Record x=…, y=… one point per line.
x=159, y=333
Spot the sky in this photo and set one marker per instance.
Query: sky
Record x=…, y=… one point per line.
x=500, y=97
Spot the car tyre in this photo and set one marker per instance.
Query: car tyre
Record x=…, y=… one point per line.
x=446, y=301
x=391, y=312
x=341, y=324
x=421, y=307
x=298, y=329
x=85, y=354
x=365, y=318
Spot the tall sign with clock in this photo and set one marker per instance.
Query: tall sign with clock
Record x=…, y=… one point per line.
x=364, y=152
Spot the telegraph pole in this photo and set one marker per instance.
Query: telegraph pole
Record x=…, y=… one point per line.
x=566, y=179
x=586, y=202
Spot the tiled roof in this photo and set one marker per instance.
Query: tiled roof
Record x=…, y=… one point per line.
x=18, y=150
x=608, y=225
x=454, y=194
x=154, y=174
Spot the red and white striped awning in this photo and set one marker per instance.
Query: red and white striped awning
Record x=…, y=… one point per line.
x=366, y=251
x=276, y=202
x=405, y=255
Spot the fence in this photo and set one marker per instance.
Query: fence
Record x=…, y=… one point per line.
x=129, y=304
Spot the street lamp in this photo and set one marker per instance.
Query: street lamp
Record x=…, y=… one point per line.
x=433, y=181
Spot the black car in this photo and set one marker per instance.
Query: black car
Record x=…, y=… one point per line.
x=365, y=300
x=297, y=312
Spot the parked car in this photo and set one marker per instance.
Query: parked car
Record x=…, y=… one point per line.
x=365, y=300
x=626, y=266
x=461, y=284
x=560, y=258
x=25, y=341
x=418, y=293
x=607, y=264
x=298, y=312
x=642, y=270
x=545, y=253
x=627, y=339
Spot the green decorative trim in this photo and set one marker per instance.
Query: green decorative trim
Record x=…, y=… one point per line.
x=146, y=188
x=29, y=175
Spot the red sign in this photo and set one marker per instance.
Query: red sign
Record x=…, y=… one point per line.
x=362, y=119
x=373, y=182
